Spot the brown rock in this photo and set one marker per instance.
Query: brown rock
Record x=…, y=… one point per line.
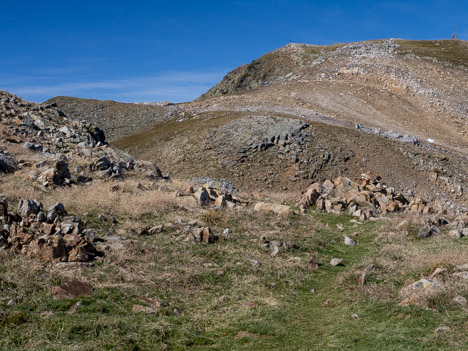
x=282, y=210
x=53, y=250
x=355, y=197
x=320, y=204
x=328, y=185
x=189, y=189
x=3, y=205
x=221, y=201
x=393, y=207
x=312, y=264
x=311, y=196
x=78, y=254
x=71, y=290
x=205, y=235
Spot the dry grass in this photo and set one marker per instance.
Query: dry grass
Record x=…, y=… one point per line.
x=122, y=198
x=216, y=290
x=402, y=259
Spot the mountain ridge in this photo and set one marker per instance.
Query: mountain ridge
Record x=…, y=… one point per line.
x=388, y=99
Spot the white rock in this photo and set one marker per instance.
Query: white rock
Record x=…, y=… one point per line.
x=336, y=261
x=349, y=241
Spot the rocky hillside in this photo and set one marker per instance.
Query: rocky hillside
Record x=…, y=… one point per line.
x=97, y=247
x=415, y=87
x=304, y=113
x=116, y=118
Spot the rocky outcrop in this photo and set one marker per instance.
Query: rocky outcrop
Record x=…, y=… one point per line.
x=115, y=118
x=459, y=226
x=50, y=237
x=268, y=69
x=7, y=163
x=249, y=135
x=442, y=281
x=60, y=144
x=278, y=209
x=366, y=199
x=210, y=196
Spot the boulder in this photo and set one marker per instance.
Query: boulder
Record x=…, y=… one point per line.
x=336, y=261
x=418, y=292
x=78, y=254
x=97, y=134
x=202, y=196
x=72, y=290
x=58, y=175
x=32, y=147
x=3, y=205
x=278, y=209
x=206, y=235
x=348, y=241
x=7, y=163
x=428, y=229
x=102, y=164
x=58, y=208
x=29, y=207
x=355, y=197
x=221, y=201
x=310, y=197
x=53, y=249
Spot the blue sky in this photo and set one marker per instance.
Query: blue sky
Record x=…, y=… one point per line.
x=176, y=50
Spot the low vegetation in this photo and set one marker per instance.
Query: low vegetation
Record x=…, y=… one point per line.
x=165, y=291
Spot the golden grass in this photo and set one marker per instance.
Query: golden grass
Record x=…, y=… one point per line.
x=118, y=198
x=403, y=259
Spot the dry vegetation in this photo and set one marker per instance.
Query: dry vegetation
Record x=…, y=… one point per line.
x=167, y=292
x=171, y=291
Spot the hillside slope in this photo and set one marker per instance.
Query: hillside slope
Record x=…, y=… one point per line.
x=304, y=113
x=415, y=87
x=100, y=251
x=115, y=117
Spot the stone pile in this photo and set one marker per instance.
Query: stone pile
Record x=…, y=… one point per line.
x=212, y=196
x=61, y=143
x=367, y=199
x=49, y=236
x=459, y=226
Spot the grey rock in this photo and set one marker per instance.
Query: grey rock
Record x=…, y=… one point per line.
x=349, y=241
x=32, y=147
x=7, y=163
x=41, y=217
x=58, y=208
x=3, y=205
x=202, y=196
x=28, y=207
